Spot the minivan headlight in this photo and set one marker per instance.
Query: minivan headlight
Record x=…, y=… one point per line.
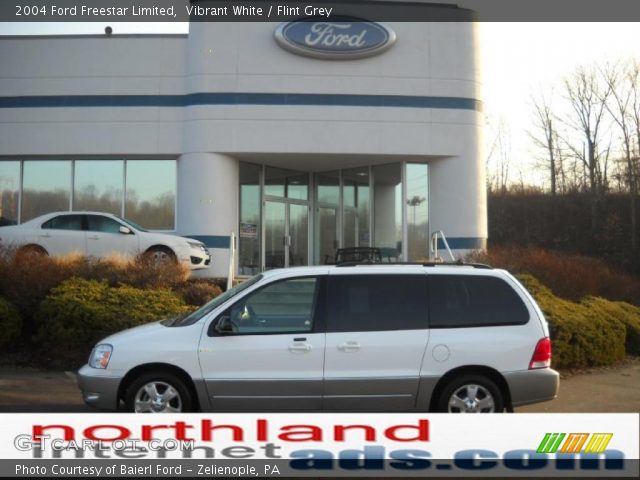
x=100, y=356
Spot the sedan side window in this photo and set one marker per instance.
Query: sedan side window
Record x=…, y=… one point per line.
x=282, y=307
x=103, y=224
x=65, y=222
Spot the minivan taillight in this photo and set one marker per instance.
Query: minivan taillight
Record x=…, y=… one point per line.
x=541, y=355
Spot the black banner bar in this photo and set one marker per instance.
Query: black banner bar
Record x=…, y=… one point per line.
x=105, y=11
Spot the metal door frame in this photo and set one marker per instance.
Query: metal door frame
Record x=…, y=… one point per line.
x=287, y=202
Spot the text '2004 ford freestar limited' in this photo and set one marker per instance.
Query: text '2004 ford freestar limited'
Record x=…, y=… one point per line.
x=337, y=338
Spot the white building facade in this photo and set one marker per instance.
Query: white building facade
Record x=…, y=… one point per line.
x=228, y=130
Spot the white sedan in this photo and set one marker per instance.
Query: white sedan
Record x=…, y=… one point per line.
x=98, y=234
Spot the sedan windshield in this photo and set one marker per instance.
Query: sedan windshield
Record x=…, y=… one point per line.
x=133, y=224
x=193, y=317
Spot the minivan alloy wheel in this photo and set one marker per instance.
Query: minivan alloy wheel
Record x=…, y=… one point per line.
x=471, y=398
x=157, y=397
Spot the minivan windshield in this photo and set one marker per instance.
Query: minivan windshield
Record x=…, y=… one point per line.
x=193, y=317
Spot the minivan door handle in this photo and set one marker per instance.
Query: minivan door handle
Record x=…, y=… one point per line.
x=349, y=347
x=300, y=347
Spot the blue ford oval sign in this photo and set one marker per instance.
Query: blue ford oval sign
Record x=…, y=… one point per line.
x=341, y=38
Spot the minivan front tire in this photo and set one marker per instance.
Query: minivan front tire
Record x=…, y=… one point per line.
x=155, y=392
x=471, y=394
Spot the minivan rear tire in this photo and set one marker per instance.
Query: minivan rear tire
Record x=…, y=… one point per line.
x=471, y=394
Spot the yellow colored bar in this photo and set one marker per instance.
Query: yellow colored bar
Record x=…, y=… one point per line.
x=605, y=438
x=589, y=446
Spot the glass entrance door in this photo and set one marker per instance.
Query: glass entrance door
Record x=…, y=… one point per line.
x=327, y=234
x=286, y=234
x=275, y=231
x=298, y=232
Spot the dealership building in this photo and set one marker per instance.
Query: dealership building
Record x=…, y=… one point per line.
x=296, y=138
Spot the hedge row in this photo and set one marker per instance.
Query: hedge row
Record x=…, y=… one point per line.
x=10, y=323
x=572, y=277
x=79, y=312
x=25, y=280
x=591, y=332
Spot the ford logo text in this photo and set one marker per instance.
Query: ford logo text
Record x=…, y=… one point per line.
x=342, y=38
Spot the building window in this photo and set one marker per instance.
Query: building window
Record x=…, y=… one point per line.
x=249, y=236
x=9, y=192
x=356, y=207
x=151, y=193
x=327, y=216
x=99, y=185
x=417, y=204
x=388, y=208
x=46, y=187
x=279, y=182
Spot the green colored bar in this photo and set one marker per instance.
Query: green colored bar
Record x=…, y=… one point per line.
x=541, y=448
x=551, y=442
x=555, y=447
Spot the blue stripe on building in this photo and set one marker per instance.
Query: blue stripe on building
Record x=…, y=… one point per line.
x=213, y=241
x=203, y=99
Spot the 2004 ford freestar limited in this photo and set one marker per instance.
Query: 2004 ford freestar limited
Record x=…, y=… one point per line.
x=449, y=338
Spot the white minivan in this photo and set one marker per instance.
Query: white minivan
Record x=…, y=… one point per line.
x=428, y=337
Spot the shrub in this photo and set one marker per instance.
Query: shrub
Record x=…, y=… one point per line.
x=10, y=323
x=25, y=280
x=79, y=312
x=628, y=314
x=569, y=276
x=584, y=334
x=199, y=292
x=140, y=272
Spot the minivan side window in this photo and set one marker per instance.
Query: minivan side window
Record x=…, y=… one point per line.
x=286, y=306
x=364, y=303
x=457, y=301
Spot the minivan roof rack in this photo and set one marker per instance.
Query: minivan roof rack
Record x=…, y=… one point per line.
x=458, y=263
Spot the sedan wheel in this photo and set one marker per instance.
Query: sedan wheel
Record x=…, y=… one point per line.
x=160, y=256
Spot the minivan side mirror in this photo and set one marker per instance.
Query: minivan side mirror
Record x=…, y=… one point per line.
x=125, y=230
x=224, y=326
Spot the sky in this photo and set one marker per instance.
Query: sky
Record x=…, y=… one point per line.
x=518, y=60
x=521, y=59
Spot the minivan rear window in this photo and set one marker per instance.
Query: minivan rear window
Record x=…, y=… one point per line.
x=457, y=301
x=366, y=303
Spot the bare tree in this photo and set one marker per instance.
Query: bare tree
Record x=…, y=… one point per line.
x=499, y=159
x=547, y=139
x=622, y=82
x=587, y=96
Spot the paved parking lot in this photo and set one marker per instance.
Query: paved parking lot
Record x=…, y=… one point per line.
x=605, y=390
